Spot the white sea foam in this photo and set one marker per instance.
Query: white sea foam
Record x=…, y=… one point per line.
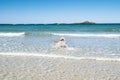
x=60, y=56
x=70, y=48
x=88, y=35
x=11, y=34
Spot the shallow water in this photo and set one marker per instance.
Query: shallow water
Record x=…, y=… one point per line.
x=88, y=41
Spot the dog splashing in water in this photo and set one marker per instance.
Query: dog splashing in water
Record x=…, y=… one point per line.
x=60, y=44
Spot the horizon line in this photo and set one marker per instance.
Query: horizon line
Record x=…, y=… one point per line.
x=58, y=23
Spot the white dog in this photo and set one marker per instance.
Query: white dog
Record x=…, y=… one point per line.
x=60, y=44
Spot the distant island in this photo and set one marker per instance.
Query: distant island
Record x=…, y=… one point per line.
x=87, y=22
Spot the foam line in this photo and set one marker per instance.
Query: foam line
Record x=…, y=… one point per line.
x=60, y=56
x=89, y=35
x=12, y=34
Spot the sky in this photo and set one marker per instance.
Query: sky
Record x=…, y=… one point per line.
x=59, y=11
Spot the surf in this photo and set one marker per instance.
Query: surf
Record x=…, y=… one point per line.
x=12, y=34
x=88, y=35
x=59, y=56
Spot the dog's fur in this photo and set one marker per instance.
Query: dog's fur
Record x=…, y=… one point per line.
x=60, y=44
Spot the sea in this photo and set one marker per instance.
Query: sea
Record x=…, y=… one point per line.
x=85, y=41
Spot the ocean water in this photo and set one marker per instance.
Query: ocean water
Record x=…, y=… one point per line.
x=96, y=41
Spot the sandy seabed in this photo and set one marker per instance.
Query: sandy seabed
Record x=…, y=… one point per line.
x=46, y=68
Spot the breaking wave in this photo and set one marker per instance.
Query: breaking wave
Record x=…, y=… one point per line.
x=18, y=34
x=89, y=35
x=12, y=34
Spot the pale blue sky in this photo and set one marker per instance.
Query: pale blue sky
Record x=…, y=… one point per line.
x=59, y=11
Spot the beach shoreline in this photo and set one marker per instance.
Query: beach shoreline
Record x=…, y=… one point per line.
x=49, y=68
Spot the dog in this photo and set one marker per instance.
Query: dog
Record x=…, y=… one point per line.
x=60, y=44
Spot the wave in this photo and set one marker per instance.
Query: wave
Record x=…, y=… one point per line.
x=60, y=56
x=12, y=34
x=88, y=35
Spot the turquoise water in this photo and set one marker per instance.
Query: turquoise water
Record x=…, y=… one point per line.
x=88, y=41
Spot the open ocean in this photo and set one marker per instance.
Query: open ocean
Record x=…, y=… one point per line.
x=96, y=41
